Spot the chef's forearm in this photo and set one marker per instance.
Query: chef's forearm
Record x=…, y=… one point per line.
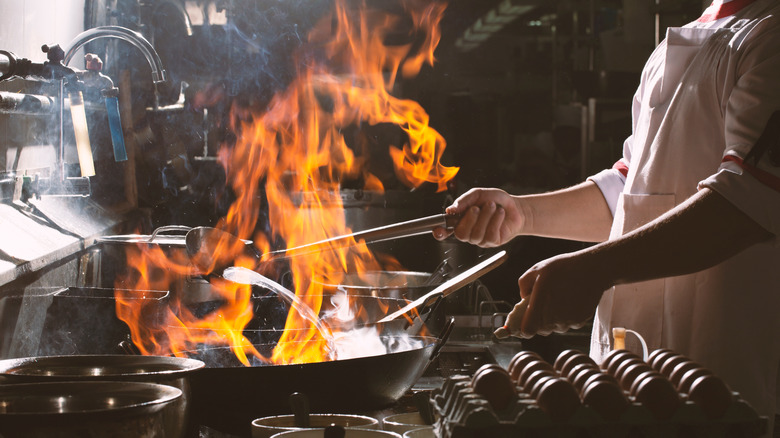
x=701, y=232
x=576, y=213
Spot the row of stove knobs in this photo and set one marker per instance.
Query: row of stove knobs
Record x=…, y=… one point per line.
x=661, y=384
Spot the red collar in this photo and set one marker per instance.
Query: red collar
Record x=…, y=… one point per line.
x=715, y=12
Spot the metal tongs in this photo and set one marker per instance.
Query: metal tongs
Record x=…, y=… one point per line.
x=212, y=248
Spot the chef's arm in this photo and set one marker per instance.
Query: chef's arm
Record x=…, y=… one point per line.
x=563, y=291
x=576, y=213
x=704, y=230
x=491, y=217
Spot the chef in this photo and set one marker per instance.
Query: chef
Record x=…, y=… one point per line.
x=687, y=219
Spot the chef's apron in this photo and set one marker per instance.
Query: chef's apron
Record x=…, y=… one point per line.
x=638, y=208
x=690, y=314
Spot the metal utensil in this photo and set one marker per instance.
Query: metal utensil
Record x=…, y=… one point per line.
x=212, y=248
x=334, y=431
x=299, y=403
x=438, y=274
x=452, y=284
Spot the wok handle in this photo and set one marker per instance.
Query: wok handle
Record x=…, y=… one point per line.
x=168, y=228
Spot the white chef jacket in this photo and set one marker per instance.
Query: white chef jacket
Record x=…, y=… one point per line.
x=704, y=98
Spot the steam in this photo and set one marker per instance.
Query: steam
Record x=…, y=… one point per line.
x=365, y=342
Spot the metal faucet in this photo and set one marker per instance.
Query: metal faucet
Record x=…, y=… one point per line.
x=142, y=44
x=123, y=33
x=56, y=70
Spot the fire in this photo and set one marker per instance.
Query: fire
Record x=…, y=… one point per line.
x=295, y=146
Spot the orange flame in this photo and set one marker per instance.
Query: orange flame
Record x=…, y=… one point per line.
x=296, y=146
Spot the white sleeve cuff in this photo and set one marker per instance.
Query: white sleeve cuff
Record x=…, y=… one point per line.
x=611, y=183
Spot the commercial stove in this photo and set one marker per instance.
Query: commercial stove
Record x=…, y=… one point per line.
x=464, y=353
x=50, y=321
x=65, y=321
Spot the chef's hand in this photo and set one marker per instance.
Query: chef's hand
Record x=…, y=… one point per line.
x=558, y=294
x=489, y=218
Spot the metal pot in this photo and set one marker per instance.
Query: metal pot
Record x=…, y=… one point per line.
x=192, y=290
x=392, y=290
x=170, y=371
x=85, y=409
x=267, y=427
x=70, y=321
x=388, y=284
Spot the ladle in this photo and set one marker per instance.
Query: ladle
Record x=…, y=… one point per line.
x=211, y=248
x=241, y=275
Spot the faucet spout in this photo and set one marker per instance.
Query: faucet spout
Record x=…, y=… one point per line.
x=123, y=33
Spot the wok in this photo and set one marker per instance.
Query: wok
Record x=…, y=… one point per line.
x=229, y=398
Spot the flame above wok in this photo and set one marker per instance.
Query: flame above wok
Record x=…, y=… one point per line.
x=296, y=144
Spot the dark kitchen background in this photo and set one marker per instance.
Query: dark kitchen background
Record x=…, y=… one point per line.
x=531, y=95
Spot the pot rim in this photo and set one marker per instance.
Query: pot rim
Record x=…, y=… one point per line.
x=284, y=424
x=51, y=368
x=149, y=397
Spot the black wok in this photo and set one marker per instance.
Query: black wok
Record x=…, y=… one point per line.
x=229, y=398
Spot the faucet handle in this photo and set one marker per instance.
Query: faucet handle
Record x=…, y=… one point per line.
x=53, y=53
x=93, y=62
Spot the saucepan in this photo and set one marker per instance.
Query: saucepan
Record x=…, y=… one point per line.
x=393, y=284
x=335, y=432
x=265, y=427
x=85, y=409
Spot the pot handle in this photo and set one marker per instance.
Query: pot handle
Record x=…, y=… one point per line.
x=443, y=336
x=167, y=228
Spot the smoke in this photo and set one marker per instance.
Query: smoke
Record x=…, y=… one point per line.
x=364, y=342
